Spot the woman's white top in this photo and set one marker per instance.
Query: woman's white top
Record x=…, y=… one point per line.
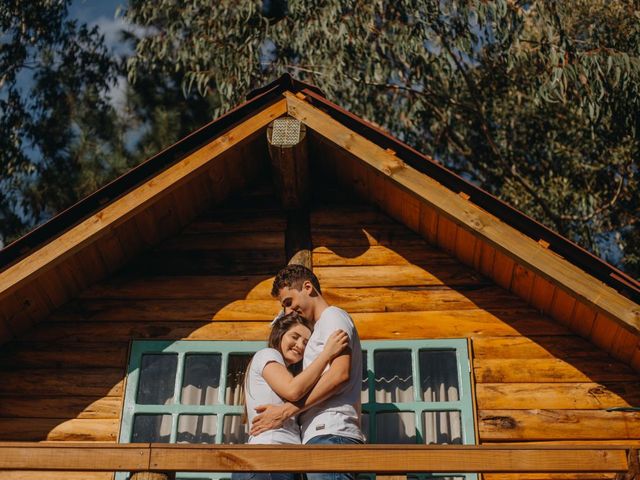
x=260, y=393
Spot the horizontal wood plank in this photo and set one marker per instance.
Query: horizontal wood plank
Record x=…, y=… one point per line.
x=225, y=241
x=557, y=425
x=398, y=275
x=54, y=475
x=58, y=430
x=236, y=222
x=364, y=458
x=161, y=310
x=61, y=355
x=86, y=382
x=395, y=236
x=381, y=458
x=552, y=370
x=557, y=396
x=211, y=262
x=535, y=347
x=348, y=215
x=402, y=299
x=198, y=286
x=549, y=476
x=378, y=255
x=72, y=406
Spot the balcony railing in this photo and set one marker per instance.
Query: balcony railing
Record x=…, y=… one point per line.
x=382, y=459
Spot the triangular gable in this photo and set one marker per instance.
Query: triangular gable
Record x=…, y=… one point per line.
x=545, y=269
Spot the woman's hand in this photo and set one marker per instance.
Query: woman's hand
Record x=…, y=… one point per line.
x=337, y=342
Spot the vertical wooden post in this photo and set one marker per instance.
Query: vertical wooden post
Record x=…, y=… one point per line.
x=298, y=239
x=286, y=138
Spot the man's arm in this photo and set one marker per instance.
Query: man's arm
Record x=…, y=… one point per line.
x=273, y=416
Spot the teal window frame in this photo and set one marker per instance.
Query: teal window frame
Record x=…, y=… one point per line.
x=418, y=406
x=226, y=348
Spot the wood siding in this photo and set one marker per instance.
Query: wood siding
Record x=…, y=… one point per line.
x=535, y=380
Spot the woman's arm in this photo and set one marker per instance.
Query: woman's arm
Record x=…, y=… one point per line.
x=273, y=416
x=293, y=388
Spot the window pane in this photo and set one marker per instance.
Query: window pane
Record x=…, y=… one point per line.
x=201, y=379
x=157, y=379
x=394, y=380
x=442, y=427
x=233, y=430
x=151, y=428
x=439, y=375
x=236, y=369
x=197, y=429
x=364, y=392
x=396, y=427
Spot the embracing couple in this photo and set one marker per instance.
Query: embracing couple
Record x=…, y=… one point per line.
x=320, y=403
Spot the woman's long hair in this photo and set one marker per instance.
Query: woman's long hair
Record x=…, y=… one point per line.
x=280, y=326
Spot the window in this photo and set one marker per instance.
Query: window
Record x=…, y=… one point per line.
x=417, y=391
x=414, y=391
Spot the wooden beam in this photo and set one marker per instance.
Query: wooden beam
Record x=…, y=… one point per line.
x=286, y=138
x=295, y=458
x=298, y=239
x=525, y=251
x=103, y=222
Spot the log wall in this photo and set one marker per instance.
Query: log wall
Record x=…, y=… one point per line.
x=535, y=380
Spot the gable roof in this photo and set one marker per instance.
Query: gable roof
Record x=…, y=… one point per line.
x=388, y=156
x=263, y=96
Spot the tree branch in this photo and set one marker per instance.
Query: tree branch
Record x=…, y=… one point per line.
x=597, y=211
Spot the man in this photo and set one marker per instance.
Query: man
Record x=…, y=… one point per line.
x=331, y=411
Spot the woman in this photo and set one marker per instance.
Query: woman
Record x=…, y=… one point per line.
x=270, y=380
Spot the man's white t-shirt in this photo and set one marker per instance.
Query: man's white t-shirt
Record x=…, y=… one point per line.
x=339, y=414
x=260, y=393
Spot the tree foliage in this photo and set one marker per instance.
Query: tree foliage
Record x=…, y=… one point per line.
x=536, y=101
x=57, y=126
x=61, y=134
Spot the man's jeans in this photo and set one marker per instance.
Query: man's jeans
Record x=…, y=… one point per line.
x=332, y=440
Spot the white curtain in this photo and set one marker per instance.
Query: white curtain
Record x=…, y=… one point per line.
x=439, y=383
x=200, y=387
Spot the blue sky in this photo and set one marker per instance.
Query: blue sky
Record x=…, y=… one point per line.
x=102, y=13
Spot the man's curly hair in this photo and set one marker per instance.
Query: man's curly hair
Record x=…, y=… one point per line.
x=293, y=276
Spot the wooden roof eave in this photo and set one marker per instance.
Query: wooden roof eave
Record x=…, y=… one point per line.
x=522, y=249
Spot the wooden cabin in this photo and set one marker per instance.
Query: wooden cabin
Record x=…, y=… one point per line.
x=129, y=318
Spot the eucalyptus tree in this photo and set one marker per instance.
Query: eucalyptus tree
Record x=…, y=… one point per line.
x=536, y=101
x=58, y=137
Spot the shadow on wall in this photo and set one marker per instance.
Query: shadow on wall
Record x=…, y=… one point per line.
x=64, y=379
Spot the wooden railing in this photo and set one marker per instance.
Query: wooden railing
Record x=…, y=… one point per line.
x=383, y=459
